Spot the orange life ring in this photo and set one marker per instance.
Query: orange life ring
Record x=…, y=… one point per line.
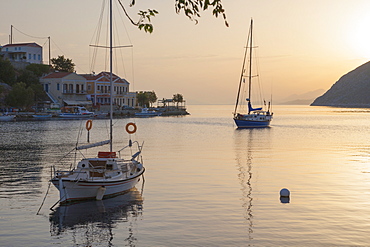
x=128, y=128
x=88, y=125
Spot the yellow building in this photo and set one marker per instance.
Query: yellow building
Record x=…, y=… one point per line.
x=98, y=90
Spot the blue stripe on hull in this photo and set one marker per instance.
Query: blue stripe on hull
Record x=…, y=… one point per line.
x=251, y=124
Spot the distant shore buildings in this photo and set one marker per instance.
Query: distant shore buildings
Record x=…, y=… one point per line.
x=71, y=89
x=67, y=88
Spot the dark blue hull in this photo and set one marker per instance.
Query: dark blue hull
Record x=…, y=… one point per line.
x=240, y=123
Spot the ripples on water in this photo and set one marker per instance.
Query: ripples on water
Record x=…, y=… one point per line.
x=206, y=183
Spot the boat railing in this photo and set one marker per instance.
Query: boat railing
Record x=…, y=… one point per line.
x=139, y=147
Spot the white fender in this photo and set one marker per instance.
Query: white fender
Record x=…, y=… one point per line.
x=100, y=193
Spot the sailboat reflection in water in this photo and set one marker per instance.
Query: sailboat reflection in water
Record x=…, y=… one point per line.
x=244, y=158
x=91, y=223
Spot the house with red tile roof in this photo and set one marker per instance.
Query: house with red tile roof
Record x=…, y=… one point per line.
x=66, y=88
x=98, y=89
x=23, y=52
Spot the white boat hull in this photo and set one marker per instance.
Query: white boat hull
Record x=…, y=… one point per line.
x=75, y=115
x=42, y=116
x=71, y=190
x=150, y=114
x=7, y=118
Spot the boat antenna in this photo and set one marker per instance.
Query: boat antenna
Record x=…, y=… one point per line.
x=270, y=103
x=241, y=75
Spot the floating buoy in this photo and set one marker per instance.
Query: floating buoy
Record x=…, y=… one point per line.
x=284, y=196
x=284, y=193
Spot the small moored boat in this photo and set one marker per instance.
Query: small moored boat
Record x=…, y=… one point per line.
x=145, y=112
x=76, y=112
x=6, y=118
x=106, y=176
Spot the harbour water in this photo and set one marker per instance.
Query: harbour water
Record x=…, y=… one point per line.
x=206, y=183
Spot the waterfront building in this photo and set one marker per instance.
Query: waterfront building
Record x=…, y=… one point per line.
x=66, y=88
x=98, y=90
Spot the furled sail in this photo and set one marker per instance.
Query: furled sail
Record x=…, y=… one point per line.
x=96, y=144
x=253, y=109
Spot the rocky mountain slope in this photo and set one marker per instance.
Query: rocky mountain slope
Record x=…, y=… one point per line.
x=351, y=90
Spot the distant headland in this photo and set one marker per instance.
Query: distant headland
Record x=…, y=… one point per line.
x=351, y=90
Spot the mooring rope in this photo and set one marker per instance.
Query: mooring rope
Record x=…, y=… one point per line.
x=47, y=191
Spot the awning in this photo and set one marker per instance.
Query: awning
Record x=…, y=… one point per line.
x=78, y=102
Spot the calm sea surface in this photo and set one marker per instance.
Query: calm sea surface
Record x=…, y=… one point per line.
x=206, y=183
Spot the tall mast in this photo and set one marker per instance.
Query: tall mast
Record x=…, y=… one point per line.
x=111, y=76
x=250, y=63
x=241, y=75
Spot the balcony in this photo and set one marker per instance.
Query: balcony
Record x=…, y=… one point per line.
x=74, y=92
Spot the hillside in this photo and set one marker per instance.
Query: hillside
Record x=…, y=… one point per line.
x=351, y=90
x=301, y=99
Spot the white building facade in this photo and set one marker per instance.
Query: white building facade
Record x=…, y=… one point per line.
x=66, y=88
x=23, y=52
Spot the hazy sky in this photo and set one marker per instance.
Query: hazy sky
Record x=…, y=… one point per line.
x=302, y=45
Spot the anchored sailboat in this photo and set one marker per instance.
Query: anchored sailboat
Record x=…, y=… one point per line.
x=255, y=117
x=106, y=175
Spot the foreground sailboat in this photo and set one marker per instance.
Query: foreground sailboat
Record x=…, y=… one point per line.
x=109, y=173
x=255, y=117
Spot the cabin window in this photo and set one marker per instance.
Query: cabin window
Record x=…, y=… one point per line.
x=29, y=56
x=34, y=56
x=58, y=86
